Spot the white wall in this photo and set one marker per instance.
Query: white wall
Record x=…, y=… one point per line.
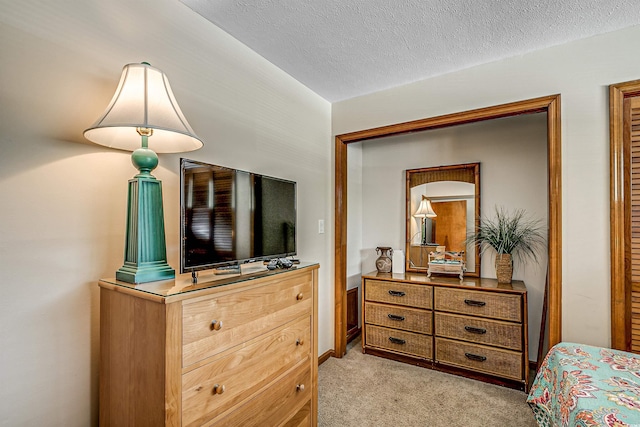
x=63, y=199
x=354, y=215
x=581, y=72
x=513, y=174
x=354, y=222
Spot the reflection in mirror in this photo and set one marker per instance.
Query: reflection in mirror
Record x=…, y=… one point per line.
x=443, y=206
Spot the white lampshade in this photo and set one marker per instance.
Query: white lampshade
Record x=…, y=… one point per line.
x=425, y=210
x=144, y=99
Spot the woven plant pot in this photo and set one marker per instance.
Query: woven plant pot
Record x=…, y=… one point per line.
x=504, y=268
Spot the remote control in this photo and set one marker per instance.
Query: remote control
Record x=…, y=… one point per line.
x=285, y=263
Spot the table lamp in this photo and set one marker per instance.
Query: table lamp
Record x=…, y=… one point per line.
x=425, y=210
x=143, y=113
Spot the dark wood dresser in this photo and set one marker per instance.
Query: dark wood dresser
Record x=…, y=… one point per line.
x=475, y=327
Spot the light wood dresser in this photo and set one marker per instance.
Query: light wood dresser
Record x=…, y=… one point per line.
x=475, y=327
x=237, y=351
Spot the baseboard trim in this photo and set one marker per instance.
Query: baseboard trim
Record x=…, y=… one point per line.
x=325, y=356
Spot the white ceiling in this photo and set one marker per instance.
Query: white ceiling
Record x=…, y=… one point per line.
x=345, y=48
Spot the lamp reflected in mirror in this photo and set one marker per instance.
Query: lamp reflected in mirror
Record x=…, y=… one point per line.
x=424, y=211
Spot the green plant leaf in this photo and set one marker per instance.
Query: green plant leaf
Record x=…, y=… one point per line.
x=512, y=233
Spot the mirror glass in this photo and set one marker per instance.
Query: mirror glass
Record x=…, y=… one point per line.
x=443, y=206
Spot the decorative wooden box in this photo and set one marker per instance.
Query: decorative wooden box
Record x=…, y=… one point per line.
x=444, y=262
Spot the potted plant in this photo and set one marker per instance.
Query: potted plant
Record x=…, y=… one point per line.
x=511, y=235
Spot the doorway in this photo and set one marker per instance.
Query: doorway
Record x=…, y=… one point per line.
x=549, y=105
x=624, y=119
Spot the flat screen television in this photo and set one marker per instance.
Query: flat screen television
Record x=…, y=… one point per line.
x=230, y=216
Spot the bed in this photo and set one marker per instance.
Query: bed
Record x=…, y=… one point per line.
x=581, y=385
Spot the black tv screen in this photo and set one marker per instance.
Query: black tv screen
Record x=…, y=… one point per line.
x=230, y=216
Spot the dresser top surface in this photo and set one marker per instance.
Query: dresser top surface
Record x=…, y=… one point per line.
x=207, y=280
x=516, y=286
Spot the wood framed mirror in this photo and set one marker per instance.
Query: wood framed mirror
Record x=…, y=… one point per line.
x=453, y=195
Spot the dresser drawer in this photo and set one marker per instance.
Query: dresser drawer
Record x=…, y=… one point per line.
x=418, y=296
x=399, y=341
x=274, y=405
x=392, y=316
x=478, y=330
x=243, y=372
x=302, y=418
x=479, y=303
x=241, y=316
x=502, y=363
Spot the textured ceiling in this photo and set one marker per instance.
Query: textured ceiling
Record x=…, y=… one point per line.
x=344, y=48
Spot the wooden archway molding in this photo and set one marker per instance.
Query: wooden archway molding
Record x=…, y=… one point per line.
x=548, y=104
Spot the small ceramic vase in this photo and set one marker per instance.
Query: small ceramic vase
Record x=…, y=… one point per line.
x=383, y=263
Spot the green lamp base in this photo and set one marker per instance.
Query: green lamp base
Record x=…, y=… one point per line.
x=148, y=273
x=145, y=252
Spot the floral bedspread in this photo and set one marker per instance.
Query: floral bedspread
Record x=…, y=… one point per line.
x=581, y=385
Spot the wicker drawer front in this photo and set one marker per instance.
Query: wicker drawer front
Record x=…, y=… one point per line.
x=244, y=316
x=502, y=363
x=274, y=404
x=409, y=319
x=478, y=330
x=418, y=296
x=479, y=303
x=400, y=341
x=243, y=372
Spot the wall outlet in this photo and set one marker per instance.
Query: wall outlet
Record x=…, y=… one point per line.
x=321, y=226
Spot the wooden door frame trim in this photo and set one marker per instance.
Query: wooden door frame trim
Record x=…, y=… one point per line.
x=550, y=105
x=619, y=182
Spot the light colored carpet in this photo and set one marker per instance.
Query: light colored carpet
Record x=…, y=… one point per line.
x=363, y=390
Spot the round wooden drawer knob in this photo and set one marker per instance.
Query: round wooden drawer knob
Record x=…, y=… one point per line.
x=299, y=296
x=299, y=341
x=218, y=389
x=300, y=387
x=216, y=325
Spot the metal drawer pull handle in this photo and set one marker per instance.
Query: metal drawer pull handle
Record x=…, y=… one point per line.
x=218, y=389
x=300, y=387
x=473, y=330
x=216, y=325
x=475, y=303
x=395, y=317
x=397, y=340
x=396, y=293
x=475, y=357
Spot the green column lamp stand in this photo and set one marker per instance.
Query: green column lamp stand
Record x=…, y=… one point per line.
x=145, y=250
